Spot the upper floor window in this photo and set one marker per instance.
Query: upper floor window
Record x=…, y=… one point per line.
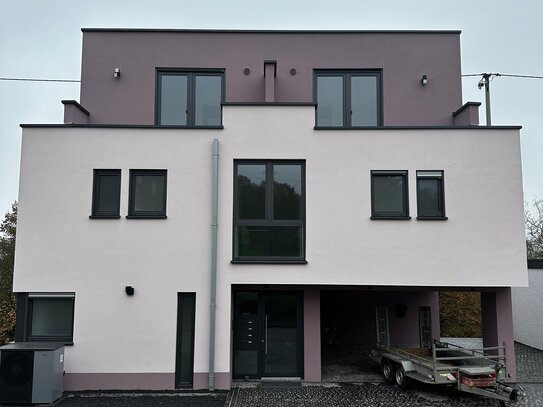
x=189, y=98
x=147, y=194
x=348, y=98
x=106, y=193
x=269, y=211
x=430, y=195
x=389, y=199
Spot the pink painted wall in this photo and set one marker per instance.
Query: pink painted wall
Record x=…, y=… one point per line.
x=497, y=313
x=312, y=334
x=403, y=58
x=353, y=313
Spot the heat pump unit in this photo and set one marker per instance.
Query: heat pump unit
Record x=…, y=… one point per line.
x=31, y=372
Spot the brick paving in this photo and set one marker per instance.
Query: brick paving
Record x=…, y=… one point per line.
x=530, y=377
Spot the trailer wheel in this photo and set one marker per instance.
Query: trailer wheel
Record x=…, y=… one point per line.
x=388, y=370
x=400, y=377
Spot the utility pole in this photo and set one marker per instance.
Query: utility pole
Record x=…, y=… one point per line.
x=485, y=81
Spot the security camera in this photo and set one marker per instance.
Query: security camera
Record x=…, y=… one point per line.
x=481, y=83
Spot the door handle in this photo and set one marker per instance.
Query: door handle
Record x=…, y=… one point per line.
x=266, y=336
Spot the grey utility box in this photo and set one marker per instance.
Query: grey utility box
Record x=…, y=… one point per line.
x=31, y=372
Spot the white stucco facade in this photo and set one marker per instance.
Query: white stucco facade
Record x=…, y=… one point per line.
x=59, y=249
x=527, y=306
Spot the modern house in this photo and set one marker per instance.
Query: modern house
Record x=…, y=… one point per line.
x=220, y=204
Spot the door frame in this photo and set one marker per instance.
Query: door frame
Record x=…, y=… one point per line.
x=262, y=295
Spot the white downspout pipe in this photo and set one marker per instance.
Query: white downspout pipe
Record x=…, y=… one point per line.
x=213, y=285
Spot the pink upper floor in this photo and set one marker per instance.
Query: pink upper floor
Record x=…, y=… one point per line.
x=403, y=57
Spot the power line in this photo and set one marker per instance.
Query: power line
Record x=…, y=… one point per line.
x=39, y=80
x=505, y=74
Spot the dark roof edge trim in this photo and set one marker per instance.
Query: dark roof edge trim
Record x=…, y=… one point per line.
x=76, y=104
x=153, y=126
x=535, y=263
x=235, y=31
x=465, y=106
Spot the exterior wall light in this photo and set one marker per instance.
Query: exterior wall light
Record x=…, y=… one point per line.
x=129, y=290
x=117, y=73
x=424, y=80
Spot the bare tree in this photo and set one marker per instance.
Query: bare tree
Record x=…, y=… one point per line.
x=534, y=229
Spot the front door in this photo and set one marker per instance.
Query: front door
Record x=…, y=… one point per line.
x=267, y=334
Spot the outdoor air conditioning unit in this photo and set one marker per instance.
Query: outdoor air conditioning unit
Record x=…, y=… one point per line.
x=31, y=372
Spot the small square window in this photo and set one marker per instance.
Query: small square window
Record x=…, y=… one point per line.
x=50, y=317
x=430, y=195
x=389, y=198
x=106, y=193
x=147, y=196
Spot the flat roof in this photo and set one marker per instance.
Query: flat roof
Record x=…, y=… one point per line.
x=235, y=31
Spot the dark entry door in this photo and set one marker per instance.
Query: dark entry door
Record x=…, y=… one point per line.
x=267, y=334
x=184, y=353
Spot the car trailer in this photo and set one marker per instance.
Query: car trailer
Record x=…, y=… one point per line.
x=479, y=371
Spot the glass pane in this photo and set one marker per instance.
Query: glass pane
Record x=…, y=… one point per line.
x=265, y=241
x=208, y=100
x=286, y=241
x=429, y=201
x=108, y=193
x=52, y=317
x=251, y=191
x=287, y=191
x=329, y=101
x=388, y=195
x=246, y=303
x=245, y=362
x=173, y=99
x=281, y=356
x=253, y=241
x=149, y=193
x=364, y=101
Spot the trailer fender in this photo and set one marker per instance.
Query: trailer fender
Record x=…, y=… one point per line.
x=408, y=366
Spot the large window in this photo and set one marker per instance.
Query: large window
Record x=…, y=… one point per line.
x=430, y=195
x=147, y=195
x=269, y=211
x=45, y=317
x=106, y=194
x=389, y=198
x=348, y=98
x=191, y=99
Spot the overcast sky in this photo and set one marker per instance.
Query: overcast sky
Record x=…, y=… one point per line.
x=42, y=39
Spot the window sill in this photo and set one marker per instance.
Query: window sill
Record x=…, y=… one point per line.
x=176, y=126
x=432, y=218
x=53, y=340
x=347, y=128
x=104, y=217
x=147, y=217
x=390, y=217
x=270, y=261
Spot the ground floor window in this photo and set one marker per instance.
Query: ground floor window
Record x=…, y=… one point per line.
x=45, y=317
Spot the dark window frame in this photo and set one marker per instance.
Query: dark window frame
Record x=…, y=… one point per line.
x=347, y=74
x=268, y=221
x=132, y=214
x=441, y=195
x=191, y=74
x=381, y=215
x=95, y=212
x=25, y=307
